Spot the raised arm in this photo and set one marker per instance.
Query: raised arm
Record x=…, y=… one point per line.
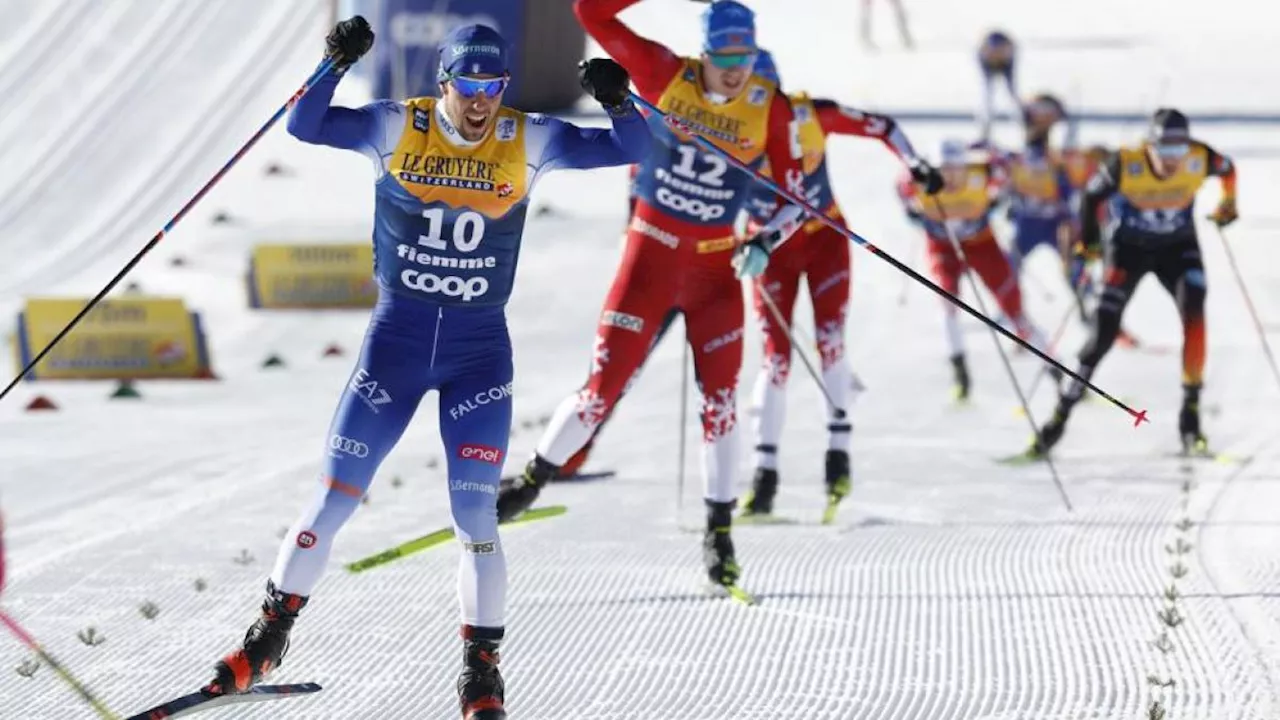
x=314, y=120
x=652, y=65
x=837, y=119
x=565, y=146
x=1101, y=186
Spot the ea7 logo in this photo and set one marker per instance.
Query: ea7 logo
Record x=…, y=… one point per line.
x=483, y=453
x=368, y=391
x=622, y=320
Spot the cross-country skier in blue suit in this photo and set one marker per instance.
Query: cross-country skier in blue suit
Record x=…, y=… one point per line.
x=453, y=182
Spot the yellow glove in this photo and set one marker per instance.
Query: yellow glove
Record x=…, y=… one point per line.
x=1226, y=212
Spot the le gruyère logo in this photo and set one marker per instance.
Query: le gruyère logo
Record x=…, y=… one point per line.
x=701, y=121
x=452, y=172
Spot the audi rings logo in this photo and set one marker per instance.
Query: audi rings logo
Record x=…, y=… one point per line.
x=449, y=286
x=691, y=206
x=346, y=446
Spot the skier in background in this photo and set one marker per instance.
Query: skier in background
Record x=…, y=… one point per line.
x=1151, y=189
x=973, y=189
x=820, y=256
x=679, y=248
x=996, y=56
x=899, y=14
x=453, y=181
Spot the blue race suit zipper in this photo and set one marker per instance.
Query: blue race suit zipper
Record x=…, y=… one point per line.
x=435, y=340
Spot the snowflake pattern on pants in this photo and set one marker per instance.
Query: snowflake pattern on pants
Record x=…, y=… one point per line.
x=599, y=355
x=830, y=337
x=591, y=407
x=719, y=413
x=778, y=368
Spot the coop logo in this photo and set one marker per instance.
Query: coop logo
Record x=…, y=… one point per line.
x=306, y=539
x=706, y=212
x=366, y=388
x=480, y=399
x=622, y=320
x=483, y=453
x=451, y=286
x=427, y=30
x=339, y=445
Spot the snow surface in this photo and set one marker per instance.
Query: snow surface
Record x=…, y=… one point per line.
x=951, y=587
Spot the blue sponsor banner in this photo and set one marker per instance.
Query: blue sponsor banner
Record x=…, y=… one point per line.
x=404, y=57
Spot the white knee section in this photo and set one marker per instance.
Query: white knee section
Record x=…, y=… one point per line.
x=769, y=401
x=571, y=426
x=482, y=571
x=304, y=554
x=951, y=319
x=839, y=381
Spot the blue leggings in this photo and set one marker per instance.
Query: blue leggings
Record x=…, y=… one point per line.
x=465, y=354
x=1030, y=233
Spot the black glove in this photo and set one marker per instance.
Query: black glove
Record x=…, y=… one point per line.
x=604, y=80
x=928, y=177
x=348, y=41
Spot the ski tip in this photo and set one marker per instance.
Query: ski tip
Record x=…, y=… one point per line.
x=740, y=595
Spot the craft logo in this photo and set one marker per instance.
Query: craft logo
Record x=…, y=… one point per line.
x=454, y=172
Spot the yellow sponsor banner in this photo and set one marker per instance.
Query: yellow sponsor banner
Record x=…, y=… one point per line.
x=285, y=275
x=121, y=338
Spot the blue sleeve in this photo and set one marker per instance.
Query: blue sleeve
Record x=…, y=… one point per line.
x=558, y=145
x=313, y=120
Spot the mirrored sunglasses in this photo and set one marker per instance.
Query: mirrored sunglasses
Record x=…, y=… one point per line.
x=730, y=61
x=1172, y=151
x=470, y=87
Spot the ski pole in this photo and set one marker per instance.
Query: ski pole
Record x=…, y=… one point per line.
x=168, y=227
x=836, y=411
x=1004, y=357
x=1139, y=416
x=1248, y=301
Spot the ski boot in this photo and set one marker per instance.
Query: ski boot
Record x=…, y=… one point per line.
x=838, y=482
x=480, y=686
x=960, y=390
x=571, y=466
x=1048, y=435
x=516, y=496
x=1193, y=441
x=717, y=546
x=265, y=645
x=764, y=486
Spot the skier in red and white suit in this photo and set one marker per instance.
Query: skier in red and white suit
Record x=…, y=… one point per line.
x=680, y=243
x=820, y=255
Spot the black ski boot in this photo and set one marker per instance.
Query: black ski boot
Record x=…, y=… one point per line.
x=839, y=481
x=480, y=686
x=717, y=546
x=518, y=495
x=960, y=390
x=1193, y=441
x=764, y=486
x=1049, y=434
x=265, y=645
